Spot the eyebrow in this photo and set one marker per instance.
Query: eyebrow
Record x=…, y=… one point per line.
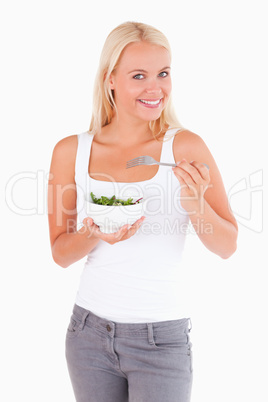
x=141, y=70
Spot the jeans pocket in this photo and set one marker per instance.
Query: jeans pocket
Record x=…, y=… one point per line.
x=173, y=341
x=73, y=327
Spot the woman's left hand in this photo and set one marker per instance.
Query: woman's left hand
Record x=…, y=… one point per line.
x=194, y=180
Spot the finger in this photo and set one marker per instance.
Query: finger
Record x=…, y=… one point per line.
x=91, y=228
x=89, y=225
x=121, y=232
x=88, y=222
x=110, y=238
x=192, y=171
x=180, y=178
x=202, y=168
x=135, y=227
x=183, y=175
x=140, y=221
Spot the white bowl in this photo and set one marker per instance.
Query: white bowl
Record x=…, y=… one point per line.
x=111, y=217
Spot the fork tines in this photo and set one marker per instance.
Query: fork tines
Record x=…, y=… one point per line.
x=135, y=162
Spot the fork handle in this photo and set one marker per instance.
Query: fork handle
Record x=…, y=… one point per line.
x=174, y=164
x=167, y=164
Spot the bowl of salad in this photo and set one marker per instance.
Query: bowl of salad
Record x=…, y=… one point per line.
x=111, y=213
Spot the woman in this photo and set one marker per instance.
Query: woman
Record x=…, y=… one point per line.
x=128, y=338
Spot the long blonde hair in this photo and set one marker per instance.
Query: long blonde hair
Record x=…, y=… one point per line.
x=103, y=100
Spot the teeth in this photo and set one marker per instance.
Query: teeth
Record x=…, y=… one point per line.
x=150, y=102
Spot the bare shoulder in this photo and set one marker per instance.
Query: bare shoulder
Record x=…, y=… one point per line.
x=65, y=150
x=66, y=147
x=64, y=157
x=190, y=146
x=187, y=140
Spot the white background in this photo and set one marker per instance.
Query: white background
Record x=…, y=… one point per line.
x=50, y=52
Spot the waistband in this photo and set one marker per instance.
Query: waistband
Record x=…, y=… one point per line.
x=86, y=317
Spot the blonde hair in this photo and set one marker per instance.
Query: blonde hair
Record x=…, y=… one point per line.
x=103, y=100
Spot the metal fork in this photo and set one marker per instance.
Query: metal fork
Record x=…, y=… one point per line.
x=148, y=160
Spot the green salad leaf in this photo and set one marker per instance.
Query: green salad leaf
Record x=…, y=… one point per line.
x=113, y=200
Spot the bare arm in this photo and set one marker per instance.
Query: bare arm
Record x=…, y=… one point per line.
x=203, y=195
x=67, y=244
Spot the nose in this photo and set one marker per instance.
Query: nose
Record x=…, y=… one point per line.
x=153, y=87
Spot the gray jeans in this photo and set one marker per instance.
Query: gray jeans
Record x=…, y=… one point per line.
x=118, y=362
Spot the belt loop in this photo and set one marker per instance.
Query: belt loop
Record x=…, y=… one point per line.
x=190, y=323
x=150, y=333
x=83, y=321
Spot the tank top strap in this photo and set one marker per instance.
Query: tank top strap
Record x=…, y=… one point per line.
x=167, y=148
x=83, y=154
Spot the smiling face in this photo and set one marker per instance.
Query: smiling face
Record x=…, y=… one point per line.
x=141, y=81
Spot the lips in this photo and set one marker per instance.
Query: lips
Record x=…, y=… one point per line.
x=150, y=102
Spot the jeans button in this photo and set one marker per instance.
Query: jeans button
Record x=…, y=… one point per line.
x=108, y=328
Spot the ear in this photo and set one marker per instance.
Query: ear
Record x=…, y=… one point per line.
x=112, y=81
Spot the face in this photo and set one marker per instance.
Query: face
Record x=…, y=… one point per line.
x=142, y=82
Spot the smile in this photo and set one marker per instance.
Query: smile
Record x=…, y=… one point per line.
x=150, y=103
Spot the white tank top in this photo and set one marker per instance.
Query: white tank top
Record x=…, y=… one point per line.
x=136, y=280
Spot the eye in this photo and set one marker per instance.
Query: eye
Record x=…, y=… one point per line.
x=138, y=76
x=163, y=74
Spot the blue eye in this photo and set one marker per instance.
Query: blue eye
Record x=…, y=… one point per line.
x=138, y=76
x=163, y=74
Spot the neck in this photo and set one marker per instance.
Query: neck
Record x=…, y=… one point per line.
x=127, y=133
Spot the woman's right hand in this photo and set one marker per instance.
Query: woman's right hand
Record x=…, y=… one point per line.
x=124, y=233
